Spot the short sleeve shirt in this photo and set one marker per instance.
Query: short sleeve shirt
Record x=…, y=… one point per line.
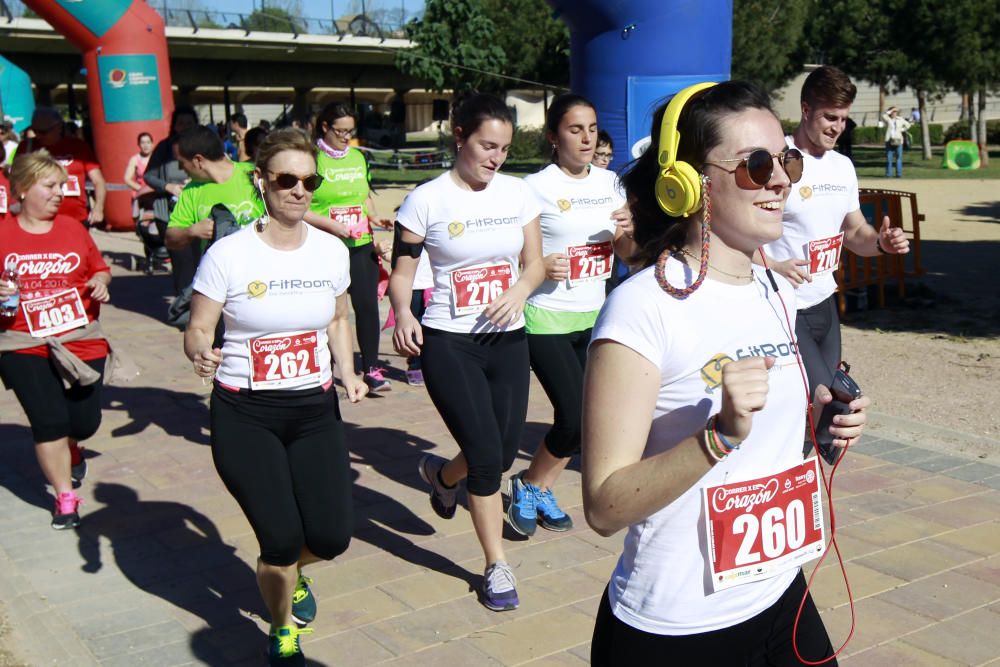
x=464, y=229
x=345, y=185
x=78, y=159
x=237, y=194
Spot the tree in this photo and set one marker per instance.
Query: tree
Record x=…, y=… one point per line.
x=274, y=19
x=769, y=46
x=455, y=48
x=535, y=42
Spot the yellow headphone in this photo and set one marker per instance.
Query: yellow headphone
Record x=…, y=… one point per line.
x=678, y=187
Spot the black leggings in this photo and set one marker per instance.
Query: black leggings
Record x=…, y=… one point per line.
x=364, y=300
x=817, y=332
x=558, y=361
x=762, y=641
x=479, y=384
x=282, y=456
x=53, y=411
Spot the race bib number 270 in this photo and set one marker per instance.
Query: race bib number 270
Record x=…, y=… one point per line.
x=824, y=254
x=762, y=527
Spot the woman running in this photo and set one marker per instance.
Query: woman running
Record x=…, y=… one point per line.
x=52, y=351
x=480, y=231
x=277, y=436
x=343, y=206
x=694, y=405
x=579, y=239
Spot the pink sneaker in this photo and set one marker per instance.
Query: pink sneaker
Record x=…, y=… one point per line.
x=65, y=514
x=376, y=381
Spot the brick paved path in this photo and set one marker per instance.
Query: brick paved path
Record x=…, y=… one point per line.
x=161, y=571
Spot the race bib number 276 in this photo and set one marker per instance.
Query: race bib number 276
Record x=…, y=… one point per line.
x=762, y=527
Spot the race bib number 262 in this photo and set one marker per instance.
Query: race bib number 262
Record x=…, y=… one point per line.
x=762, y=527
x=285, y=360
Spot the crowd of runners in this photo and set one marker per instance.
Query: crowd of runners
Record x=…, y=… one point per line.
x=697, y=376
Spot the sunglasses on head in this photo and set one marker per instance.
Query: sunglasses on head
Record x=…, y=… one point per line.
x=759, y=165
x=311, y=183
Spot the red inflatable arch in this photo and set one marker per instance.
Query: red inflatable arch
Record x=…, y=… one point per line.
x=124, y=46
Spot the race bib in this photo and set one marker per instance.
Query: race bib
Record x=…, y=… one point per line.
x=762, y=527
x=824, y=254
x=353, y=217
x=71, y=188
x=3, y=199
x=589, y=262
x=54, y=314
x=285, y=360
x=476, y=287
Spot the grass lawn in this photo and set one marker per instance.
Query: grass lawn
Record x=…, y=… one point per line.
x=870, y=163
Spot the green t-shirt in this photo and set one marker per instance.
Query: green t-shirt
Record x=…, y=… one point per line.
x=237, y=194
x=345, y=184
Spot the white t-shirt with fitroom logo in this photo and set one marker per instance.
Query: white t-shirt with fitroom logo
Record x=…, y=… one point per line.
x=661, y=582
x=266, y=291
x=576, y=221
x=815, y=210
x=473, y=241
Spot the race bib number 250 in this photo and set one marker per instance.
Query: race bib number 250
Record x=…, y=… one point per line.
x=762, y=527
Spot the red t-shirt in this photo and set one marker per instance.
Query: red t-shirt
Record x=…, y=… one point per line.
x=6, y=198
x=64, y=258
x=77, y=158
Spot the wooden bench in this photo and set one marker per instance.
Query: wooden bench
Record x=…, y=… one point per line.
x=857, y=272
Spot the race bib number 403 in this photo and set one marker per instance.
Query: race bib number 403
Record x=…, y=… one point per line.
x=353, y=217
x=285, y=360
x=589, y=262
x=824, y=254
x=54, y=314
x=762, y=527
x=476, y=287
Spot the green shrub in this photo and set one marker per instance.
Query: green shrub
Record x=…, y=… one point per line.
x=960, y=130
x=528, y=144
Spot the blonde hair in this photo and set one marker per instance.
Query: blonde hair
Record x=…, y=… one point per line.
x=30, y=168
x=279, y=141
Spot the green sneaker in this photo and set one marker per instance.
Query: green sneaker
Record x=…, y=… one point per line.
x=283, y=648
x=303, y=602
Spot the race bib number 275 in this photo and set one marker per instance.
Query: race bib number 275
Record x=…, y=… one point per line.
x=762, y=527
x=589, y=262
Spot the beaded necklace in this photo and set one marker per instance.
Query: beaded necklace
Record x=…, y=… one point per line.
x=661, y=262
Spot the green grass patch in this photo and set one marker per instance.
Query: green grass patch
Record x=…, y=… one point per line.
x=870, y=163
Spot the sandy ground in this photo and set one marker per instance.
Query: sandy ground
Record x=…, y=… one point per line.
x=930, y=362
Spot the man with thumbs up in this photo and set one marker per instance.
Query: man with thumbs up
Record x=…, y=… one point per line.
x=822, y=216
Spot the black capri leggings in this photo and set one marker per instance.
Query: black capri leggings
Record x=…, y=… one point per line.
x=762, y=641
x=282, y=456
x=558, y=361
x=53, y=411
x=479, y=384
x=817, y=332
x=364, y=301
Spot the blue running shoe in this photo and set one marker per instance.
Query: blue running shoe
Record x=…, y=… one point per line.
x=521, y=513
x=550, y=515
x=283, y=648
x=498, y=589
x=303, y=602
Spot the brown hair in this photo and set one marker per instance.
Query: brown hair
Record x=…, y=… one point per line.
x=32, y=167
x=828, y=85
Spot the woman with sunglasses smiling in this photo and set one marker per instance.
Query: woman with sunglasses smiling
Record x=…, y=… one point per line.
x=693, y=385
x=277, y=436
x=343, y=206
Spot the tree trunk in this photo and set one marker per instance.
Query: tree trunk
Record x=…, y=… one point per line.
x=964, y=113
x=984, y=153
x=973, y=127
x=925, y=127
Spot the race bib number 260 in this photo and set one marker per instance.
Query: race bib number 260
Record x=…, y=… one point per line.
x=762, y=527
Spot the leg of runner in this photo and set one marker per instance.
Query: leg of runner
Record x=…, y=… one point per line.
x=364, y=301
x=414, y=374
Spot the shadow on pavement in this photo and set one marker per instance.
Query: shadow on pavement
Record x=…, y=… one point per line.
x=20, y=473
x=148, y=406
x=174, y=552
x=145, y=295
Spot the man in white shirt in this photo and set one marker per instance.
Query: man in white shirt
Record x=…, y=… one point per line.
x=821, y=217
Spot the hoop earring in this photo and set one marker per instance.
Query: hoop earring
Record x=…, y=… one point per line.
x=661, y=261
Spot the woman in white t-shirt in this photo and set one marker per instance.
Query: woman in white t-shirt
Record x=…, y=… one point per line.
x=694, y=405
x=277, y=436
x=580, y=237
x=480, y=231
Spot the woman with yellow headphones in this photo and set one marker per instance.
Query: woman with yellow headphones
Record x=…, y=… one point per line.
x=694, y=407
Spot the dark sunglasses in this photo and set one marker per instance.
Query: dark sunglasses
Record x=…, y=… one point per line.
x=289, y=181
x=759, y=165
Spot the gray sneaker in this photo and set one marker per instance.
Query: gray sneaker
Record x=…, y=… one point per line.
x=443, y=499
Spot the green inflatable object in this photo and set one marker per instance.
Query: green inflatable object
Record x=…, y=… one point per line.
x=961, y=154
